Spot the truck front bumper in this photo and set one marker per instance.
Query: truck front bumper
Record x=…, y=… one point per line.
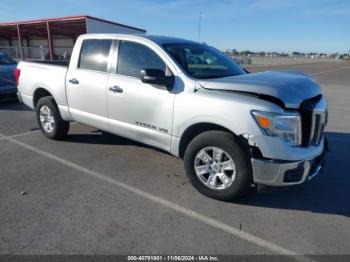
x=284, y=173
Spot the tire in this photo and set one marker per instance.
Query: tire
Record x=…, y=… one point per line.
x=233, y=163
x=54, y=127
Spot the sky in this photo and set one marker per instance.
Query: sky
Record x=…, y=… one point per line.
x=256, y=25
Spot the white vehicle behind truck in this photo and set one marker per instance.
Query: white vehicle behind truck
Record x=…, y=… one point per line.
x=232, y=128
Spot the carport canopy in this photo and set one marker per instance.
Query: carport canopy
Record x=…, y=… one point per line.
x=21, y=34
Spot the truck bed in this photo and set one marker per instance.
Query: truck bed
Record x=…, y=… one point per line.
x=49, y=75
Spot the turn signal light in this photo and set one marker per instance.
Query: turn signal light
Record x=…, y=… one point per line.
x=263, y=121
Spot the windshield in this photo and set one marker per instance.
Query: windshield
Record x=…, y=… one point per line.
x=203, y=62
x=5, y=59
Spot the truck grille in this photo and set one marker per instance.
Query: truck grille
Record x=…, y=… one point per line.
x=314, y=119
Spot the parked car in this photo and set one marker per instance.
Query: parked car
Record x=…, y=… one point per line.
x=246, y=61
x=232, y=128
x=8, y=88
x=242, y=60
x=237, y=60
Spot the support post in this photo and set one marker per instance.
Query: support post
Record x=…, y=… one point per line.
x=49, y=40
x=19, y=41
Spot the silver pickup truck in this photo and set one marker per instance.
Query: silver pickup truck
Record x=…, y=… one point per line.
x=232, y=128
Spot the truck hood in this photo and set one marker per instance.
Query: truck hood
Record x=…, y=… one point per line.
x=290, y=87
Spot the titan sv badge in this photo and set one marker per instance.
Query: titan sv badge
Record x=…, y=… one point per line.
x=153, y=127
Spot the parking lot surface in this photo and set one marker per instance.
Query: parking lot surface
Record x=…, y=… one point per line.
x=95, y=193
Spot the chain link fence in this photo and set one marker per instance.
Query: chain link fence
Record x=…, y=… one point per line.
x=274, y=61
x=37, y=53
x=64, y=53
x=12, y=52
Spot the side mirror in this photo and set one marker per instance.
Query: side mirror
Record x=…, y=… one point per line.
x=157, y=77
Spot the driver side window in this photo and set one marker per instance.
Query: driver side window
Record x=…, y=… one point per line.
x=132, y=57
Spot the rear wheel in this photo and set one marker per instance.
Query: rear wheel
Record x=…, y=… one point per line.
x=49, y=119
x=217, y=166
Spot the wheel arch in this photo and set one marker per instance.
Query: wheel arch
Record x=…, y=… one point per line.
x=41, y=92
x=194, y=130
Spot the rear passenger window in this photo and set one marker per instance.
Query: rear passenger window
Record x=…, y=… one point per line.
x=132, y=57
x=94, y=54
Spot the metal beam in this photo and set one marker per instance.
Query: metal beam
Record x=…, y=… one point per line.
x=49, y=40
x=19, y=41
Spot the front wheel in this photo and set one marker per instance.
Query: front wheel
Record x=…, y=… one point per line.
x=49, y=119
x=217, y=166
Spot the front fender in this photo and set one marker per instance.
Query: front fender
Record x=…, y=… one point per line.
x=229, y=110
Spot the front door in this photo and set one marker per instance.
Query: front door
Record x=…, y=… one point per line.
x=139, y=111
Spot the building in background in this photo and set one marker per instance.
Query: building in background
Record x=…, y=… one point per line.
x=53, y=38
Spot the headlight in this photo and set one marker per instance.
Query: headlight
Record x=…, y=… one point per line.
x=286, y=126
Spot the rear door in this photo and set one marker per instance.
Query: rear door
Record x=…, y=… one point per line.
x=137, y=110
x=86, y=83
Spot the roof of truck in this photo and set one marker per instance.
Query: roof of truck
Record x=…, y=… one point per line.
x=167, y=39
x=160, y=40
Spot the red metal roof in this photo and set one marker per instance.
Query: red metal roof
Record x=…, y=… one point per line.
x=67, y=18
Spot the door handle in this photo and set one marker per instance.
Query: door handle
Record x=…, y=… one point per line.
x=116, y=89
x=74, y=81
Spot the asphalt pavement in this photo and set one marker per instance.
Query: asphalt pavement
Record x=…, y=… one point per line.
x=95, y=193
